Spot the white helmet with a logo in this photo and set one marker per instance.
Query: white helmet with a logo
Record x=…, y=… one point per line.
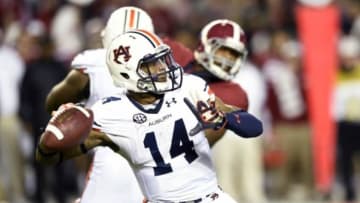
x=130, y=56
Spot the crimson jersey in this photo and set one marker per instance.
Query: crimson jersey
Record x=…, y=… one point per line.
x=229, y=92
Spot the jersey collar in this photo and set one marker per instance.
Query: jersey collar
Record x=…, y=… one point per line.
x=155, y=109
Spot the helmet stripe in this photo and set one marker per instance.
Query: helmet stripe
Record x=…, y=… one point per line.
x=146, y=37
x=138, y=19
x=151, y=36
x=132, y=18
x=153, y=39
x=236, y=32
x=124, y=26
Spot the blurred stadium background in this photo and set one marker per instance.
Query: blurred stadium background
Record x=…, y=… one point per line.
x=307, y=51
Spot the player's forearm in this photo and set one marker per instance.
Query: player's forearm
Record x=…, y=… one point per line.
x=48, y=157
x=61, y=94
x=220, y=105
x=214, y=135
x=53, y=102
x=51, y=157
x=74, y=88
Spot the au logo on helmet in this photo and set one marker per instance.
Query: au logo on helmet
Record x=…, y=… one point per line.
x=121, y=51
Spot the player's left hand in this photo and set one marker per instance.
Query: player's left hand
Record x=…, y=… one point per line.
x=208, y=116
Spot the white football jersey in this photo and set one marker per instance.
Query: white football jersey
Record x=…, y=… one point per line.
x=168, y=163
x=93, y=63
x=111, y=179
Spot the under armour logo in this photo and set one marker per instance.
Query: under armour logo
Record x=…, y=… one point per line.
x=121, y=51
x=170, y=102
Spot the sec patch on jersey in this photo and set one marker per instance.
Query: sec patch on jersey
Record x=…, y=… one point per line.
x=67, y=128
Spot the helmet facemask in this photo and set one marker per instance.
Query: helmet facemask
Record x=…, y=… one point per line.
x=159, y=73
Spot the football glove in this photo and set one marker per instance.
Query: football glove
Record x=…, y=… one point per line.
x=208, y=116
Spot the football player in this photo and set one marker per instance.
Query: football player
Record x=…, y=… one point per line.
x=153, y=124
x=219, y=59
x=88, y=81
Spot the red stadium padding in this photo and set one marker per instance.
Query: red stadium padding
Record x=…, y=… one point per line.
x=319, y=29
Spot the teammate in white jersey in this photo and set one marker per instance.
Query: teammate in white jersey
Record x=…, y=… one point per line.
x=88, y=81
x=155, y=124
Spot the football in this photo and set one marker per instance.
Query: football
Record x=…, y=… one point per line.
x=67, y=128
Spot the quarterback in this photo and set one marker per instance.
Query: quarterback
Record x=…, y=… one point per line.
x=88, y=81
x=157, y=124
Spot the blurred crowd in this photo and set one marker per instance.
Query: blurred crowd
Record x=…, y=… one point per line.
x=39, y=38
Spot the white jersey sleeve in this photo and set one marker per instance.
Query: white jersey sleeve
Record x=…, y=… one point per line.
x=93, y=63
x=88, y=59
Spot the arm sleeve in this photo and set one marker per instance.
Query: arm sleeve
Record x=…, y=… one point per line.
x=243, y=124
x=87, y=60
